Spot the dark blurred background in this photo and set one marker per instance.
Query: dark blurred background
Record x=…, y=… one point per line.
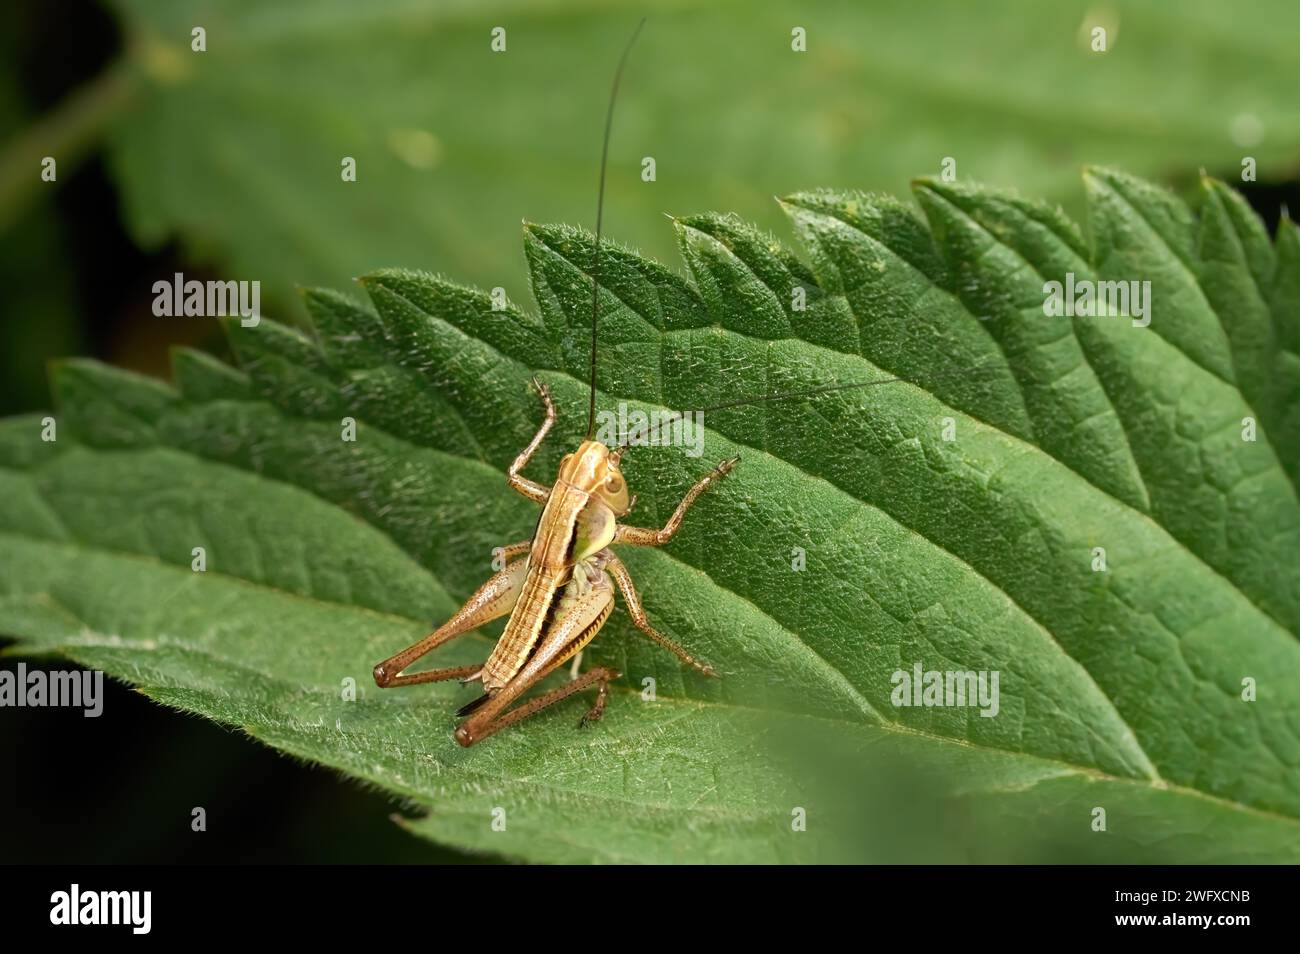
x=224, y=164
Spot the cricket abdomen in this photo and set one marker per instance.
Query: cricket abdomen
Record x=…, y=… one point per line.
x=575, y=525
x=541, y=589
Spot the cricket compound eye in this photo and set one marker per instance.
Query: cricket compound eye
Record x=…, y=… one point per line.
x=614, y=484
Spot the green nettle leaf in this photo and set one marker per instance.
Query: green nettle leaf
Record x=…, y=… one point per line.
x=1099, y=507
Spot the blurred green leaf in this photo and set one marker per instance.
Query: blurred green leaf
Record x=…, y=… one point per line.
x=238, y=149
x=1119, y=689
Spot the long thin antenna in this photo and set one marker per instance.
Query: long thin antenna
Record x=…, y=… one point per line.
x=965, y=374
x=600, y=213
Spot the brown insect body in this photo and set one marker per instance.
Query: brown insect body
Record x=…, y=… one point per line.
x=561, y=592
x=558, y=596
x=578, y=521
x=559, y=589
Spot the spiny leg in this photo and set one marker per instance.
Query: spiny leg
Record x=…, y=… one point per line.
x=643, y=537
x=530, y=488
x=600, y=674
x=429, y=675
x=512, y=550
x=623, y=578
x=492, y=600
x=568, y=634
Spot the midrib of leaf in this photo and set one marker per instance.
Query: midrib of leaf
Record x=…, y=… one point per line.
x=843, y=491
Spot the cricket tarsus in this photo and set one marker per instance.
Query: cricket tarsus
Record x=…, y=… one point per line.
x=600, y=215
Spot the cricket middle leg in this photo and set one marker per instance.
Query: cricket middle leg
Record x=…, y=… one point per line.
x=644, y=537
x=618, y=570
x=494, y=599
x=567, y=635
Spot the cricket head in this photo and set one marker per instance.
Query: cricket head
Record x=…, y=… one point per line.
x=593, y=467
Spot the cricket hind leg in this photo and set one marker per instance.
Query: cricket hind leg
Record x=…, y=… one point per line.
x=494, y=599
x=601, y=674
x=571, y=632
x=530, y=488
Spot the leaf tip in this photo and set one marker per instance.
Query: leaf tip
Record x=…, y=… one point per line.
x=1095, y=175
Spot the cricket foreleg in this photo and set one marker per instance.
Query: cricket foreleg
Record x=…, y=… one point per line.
x=643, y=537
x=492, y=600
x=615, y=567
x=530, y=488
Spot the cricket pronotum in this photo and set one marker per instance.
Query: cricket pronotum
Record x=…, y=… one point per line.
x=559, y=589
